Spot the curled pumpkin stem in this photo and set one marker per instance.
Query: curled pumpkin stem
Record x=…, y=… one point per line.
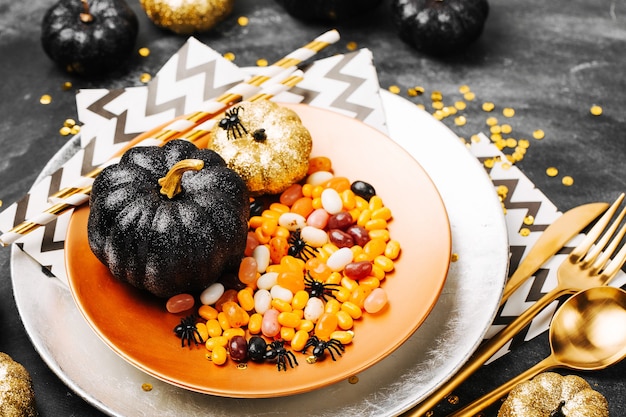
x=171, y=182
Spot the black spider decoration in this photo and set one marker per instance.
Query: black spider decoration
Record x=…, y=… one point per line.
x=320, y=347
x=276, y=352
x=299, y=248
x=232, y=124
x=318, y=289
x=187, y=332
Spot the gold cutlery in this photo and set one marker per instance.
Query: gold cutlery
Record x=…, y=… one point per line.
x=586, y=333
x=556, y=235
x=585, y=267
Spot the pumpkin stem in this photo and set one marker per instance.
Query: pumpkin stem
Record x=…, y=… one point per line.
x=170, y=183
x=559, y=411
x=86, y=16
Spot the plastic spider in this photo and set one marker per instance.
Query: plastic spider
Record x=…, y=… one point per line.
x=232, y=124
x=299, y=248
x=320, y=347
x=187, y=332
x=276, y=352
x=318, y=289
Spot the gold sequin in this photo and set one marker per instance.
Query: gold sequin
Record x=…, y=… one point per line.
x=67, y=85
x=460, y=105
x=567, y=181
x=524, y=231
x=353, y=379
x=437, y=105
x=495, y=129
x=511, y=143
x=243, y=21
x=351, y=46
x=464, y=89
x=144, y=51
x=436, y=96
x=454, y=257
x=596, y=110
x=491, y=121
x=528, y=220
x=488, y=106
x=539, y=134
x=552, y=171
x=45, y=99
x=65, y=130
x=420, y=106
x=229, y=56
x=394, y=89
x=469, y=96
x=460, y=120
x=508, y=112
x=475, y=138
x=506, y=128
x=147, y=387
x=523, y=143
x=262, y=62
x=453, y=399
x=145, y=77
x=75, y=129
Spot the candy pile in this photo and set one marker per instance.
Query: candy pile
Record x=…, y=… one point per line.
x=313, y=266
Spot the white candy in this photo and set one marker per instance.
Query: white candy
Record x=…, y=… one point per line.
x=292, y=221
x=331, y=201
x=314, y=236
x=338, y=260
x=211, y=294
x=267, y=280
x=281, y=293
x=262, y=301
x=262, y=256
x=314, y=309
x=319, y=177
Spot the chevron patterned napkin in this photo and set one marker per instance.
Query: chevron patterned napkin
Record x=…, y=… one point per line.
x=346, y=83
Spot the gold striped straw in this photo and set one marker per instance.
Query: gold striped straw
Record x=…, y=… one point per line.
x=178, y=127
x=80, y=196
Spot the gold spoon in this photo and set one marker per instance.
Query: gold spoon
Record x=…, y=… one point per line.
x=587, y=333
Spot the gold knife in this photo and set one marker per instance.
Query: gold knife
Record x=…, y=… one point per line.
x=556, y=235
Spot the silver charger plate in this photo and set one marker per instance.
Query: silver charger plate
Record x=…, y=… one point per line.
x=441, y=345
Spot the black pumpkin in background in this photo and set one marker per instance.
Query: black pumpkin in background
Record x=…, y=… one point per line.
x=439, y=27
x=89, y=37
x=169, y=219
x=327, y=10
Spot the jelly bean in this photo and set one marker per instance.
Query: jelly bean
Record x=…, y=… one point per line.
x=236, y=316
x=213, y=342
x=318, y=269
x=313, y=236
x=291, y=194
x=352, y=309
x=326, y=324
x=392, y=250
x=261, y=255
x=235, y=331
x=319, y=163
x=254, y=324
x=262, y=301
x=269, y=226
x=319, y=177
x=245, y=298
x=341, y=220
x=382, y=234
x=238, y=349
x=214, y=328
x=292, y=221
x=375, y=224
x=349, y=283
x=339, y=259
x=270, y=326
x=281, y=305
x=364, y=217
x=303, y=206
x=207, y=312
x=299, y=300
x=316, y=203
x=331, y=201
x=340, y=238
x=202, y=331
x=314, y=309
x=348, y=200
x=383, y=213
x=306, y=325
x=256, y=208
x=228, y=295
x=359, y=234
x=307, y=190
x=248, y=270
x=257, y=346
x=363, y=189
x=299, y=340
x=219, y=355
x=359, y=295
x=251, y=243
x=344, y=320
x=179, y=303
x=280, y=292
x=222, y=319
x=256, y=221
x=279, y=247
x=289, y=319
x=384, y=263
x=317, y=191
x=375, y=203
x=342, y=294
x=318, y=218
x=338, y=184
x=374, y=247
x=332, y=306
x=342, y=336
x=370, y=282
x=287, y=333
x=375, y=301
x=267, y=280
x=358, y=270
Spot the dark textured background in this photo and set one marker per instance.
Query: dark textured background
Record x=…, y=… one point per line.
x=550, y=61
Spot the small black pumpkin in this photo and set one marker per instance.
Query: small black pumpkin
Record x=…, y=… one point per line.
x=328, y=10
x=89, y=37
x=439, y=27
x=169, y=219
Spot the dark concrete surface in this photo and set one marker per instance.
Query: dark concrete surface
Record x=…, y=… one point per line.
x=550, y=61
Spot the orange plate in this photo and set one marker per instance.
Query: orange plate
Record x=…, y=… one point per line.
x=139, y=329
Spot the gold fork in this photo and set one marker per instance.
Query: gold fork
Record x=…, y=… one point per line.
x=588, y=265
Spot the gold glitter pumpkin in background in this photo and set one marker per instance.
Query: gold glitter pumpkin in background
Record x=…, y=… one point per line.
x=551, y=394
x=185, y=17
x=265, y=143
x=17, y=397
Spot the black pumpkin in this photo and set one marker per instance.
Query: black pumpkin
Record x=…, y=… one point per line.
x=89, y=37
x=439, y=27
x=169, y=219
x=328, y=10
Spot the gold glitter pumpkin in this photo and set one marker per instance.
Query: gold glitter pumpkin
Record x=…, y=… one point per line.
x=551, y=394
x=265, y=143
x=17, y=397
x=187, y=16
